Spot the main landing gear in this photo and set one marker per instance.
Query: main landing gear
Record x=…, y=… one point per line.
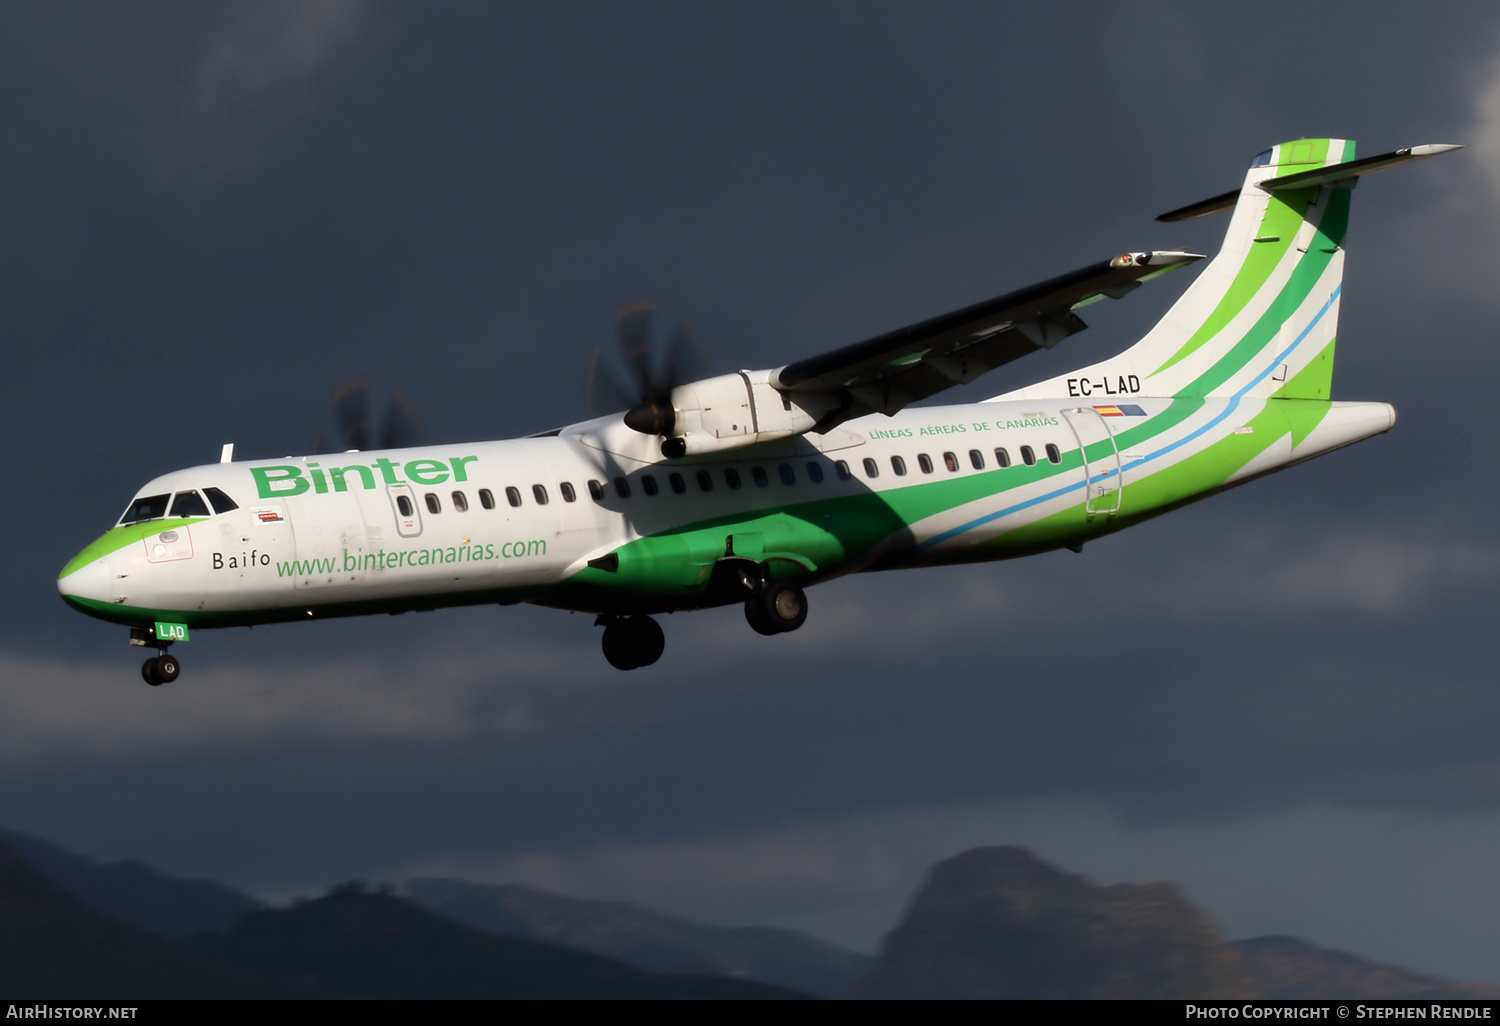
x=778, y=607
x=632, y=641
x=161, y=669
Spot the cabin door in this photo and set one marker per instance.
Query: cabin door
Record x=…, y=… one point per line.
x=1104, y=483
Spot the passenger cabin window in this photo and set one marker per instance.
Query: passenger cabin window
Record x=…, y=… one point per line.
x=814, y=473
x=1027, y=456
x=924, y=461
x=705, y=481
x=1002, y=458
x=189, y=504
x=758, y=474
x=1053, y=454
x=486, y=498
x=788, y=477
x=403, y=503
x=898, y=465
x=976, y=459
x=539, y=493
x=732, y=477
x=513, y=495
x=568, y=494
x=872, y=469
x=842, y=467
x=950, y=462
x=678, y=484
x=648, y=484
x=221, y=502
x=622, y=488
x=596, y=490
x=461, y=502
x=434, y=505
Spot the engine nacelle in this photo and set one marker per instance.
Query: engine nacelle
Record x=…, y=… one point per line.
x=734, y=410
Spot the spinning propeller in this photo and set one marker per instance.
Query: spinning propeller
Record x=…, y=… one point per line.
x=647, y=390
x=400, y=427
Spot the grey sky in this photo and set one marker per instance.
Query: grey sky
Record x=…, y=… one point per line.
x=1283, y=697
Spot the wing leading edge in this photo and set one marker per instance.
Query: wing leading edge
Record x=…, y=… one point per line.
x=885, y=373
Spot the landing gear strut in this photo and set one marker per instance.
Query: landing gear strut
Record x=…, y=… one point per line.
x=161, y=669
x=778, y=607
x=631, y=642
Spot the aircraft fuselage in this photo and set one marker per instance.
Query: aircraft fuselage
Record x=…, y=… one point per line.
x=522, y=520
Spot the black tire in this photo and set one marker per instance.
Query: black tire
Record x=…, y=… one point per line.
x=783, y=605
x=648, y=639
x=167, y=668
x=756, y=617
x=618, y=647
x=149, y=673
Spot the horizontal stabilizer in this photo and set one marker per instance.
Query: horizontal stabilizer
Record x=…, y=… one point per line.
x=1345, y=171
x=1354, y=168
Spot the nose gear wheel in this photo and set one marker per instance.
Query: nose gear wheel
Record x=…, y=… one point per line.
x=159, y=670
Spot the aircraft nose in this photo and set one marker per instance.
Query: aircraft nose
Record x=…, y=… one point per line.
x=90, y=581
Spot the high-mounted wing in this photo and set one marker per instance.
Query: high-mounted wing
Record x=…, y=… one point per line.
x=885, y=373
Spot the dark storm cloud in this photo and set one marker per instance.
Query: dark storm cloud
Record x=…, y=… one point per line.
x=212, y=214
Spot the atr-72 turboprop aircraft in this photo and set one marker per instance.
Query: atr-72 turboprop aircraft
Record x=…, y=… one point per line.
x=748, y=487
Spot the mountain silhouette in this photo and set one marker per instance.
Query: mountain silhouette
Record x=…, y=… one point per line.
x=356, y=943
x=644, y=938
x=53, y=946
x=133, y=892
x=1292, y=969
x=1001, y=923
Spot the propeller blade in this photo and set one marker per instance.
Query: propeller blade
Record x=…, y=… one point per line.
x=603, y=391
x=401, y=427
x=686, y=356
x=633, y=330
x=648, y=405
x=350, y=401
x=315, y=442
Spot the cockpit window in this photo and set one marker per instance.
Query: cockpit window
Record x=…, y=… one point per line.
x=221, y=502
x=1261, y=159
x=189, y=504
x=147, y=507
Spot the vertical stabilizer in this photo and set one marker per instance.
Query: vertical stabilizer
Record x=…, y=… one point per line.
x=1261, y=318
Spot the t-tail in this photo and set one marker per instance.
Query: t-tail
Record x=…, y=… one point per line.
x=1262, y=319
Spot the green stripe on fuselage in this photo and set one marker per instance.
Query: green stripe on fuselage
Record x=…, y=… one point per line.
x=1196, y=476
x=117, y=538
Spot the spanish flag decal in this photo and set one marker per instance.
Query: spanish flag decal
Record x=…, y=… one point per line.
x=1122, y=410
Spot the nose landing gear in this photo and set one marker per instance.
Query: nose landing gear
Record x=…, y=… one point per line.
x=162, y=669
x=631, y=642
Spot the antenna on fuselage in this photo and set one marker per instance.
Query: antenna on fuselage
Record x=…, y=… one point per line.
x=226, y=454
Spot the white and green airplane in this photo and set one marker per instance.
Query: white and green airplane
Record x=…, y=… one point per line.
x=749, y=487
